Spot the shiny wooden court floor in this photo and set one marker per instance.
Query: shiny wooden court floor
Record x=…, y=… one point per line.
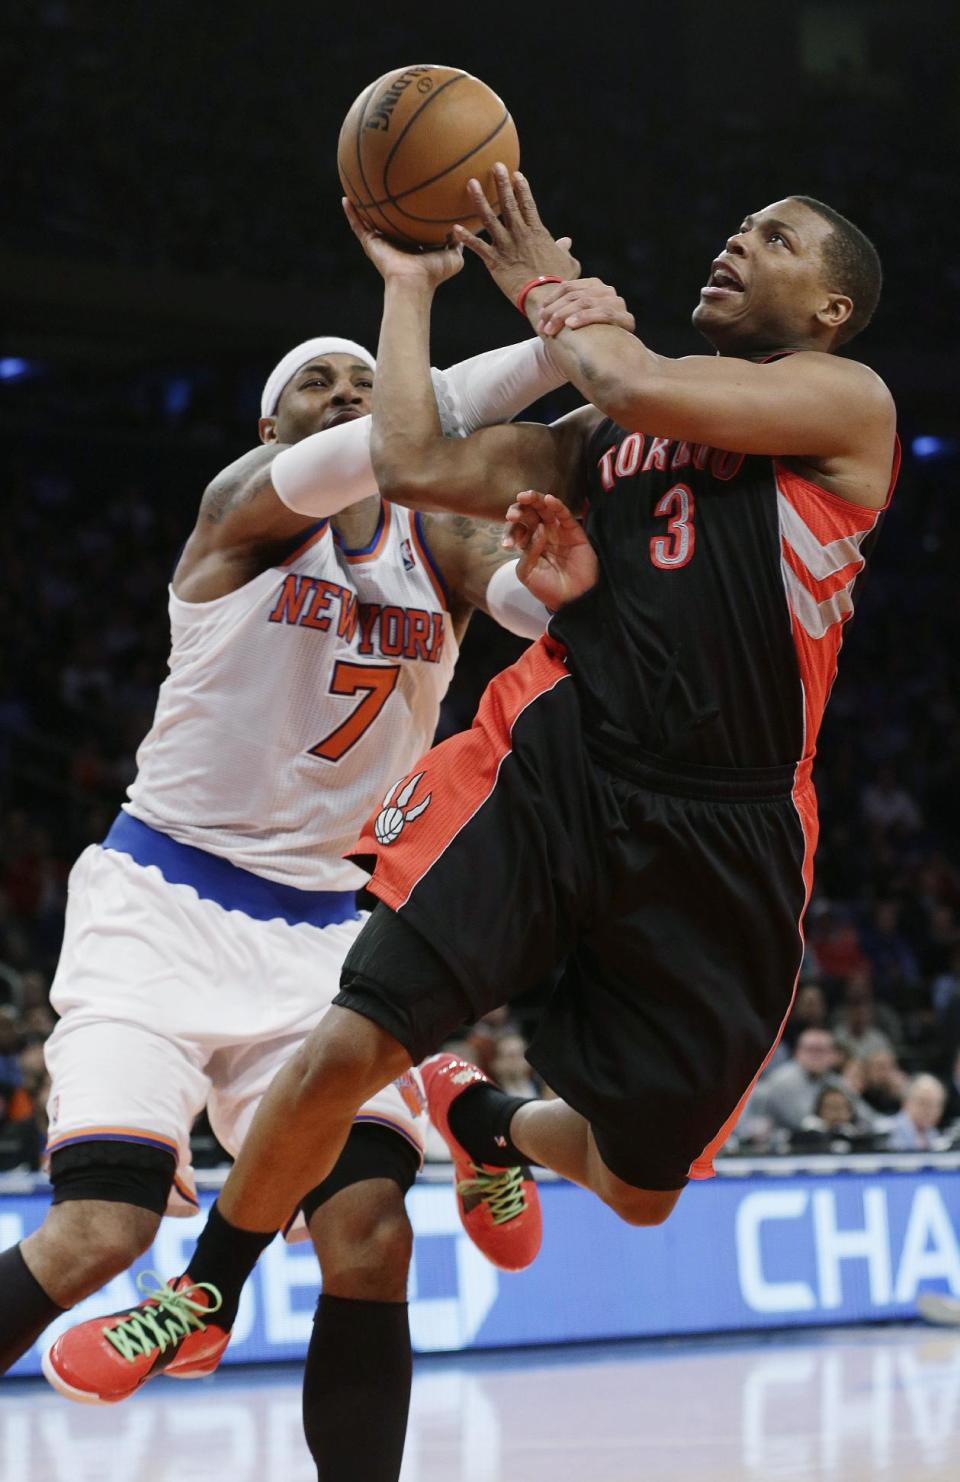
x=865, y=1405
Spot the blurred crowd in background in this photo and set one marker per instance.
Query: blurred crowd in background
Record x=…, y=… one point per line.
x=158, y=189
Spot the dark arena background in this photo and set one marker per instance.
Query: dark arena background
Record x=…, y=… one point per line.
x=171, y=226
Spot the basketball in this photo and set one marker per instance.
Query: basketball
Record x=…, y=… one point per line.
x=410, y=143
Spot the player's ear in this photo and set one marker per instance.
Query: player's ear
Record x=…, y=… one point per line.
x=267, y=428
x=836, y=311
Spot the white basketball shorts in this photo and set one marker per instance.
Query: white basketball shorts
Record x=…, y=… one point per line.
x=169, y=1002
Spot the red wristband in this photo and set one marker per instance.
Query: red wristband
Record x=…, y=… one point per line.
x=534, y=283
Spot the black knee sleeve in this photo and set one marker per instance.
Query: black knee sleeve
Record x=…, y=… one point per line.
x=116, y=1172
x=370, y=1151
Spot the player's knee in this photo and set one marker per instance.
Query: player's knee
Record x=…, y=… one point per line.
x=95, y=1241
x=114, y=1250
x=365, y=1251
x=328, y=1072
x=345, y=1060
x=641, y=1207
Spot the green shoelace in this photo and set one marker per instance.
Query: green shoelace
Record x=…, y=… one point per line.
x=140, y=1332
x=502, y=1192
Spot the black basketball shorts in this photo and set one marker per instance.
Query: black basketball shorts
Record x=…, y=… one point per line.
x=669, y=897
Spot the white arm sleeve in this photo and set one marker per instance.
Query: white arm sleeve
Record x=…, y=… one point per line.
x=495, y=386
x=511, y=605
x=327, y=471
x=330, y=470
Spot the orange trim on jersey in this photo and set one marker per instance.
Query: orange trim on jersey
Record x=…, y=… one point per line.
x=821, y=587
x=380, y=539
x=186, y=1193
x=805, y=802
x=452, y=782
x=427, y=559
x=310, y=540
x=799, y=491
x=113, y=1134
x=395, y=1125
x=828, y=518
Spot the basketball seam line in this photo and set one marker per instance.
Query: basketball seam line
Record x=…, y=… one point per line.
x=413, y=189
x=363, y=174
x=412, y=120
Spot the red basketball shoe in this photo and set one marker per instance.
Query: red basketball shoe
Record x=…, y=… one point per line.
x=105, y=1360
x=499, y=1207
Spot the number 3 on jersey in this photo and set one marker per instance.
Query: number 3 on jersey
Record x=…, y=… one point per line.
x=376, y=683
x=674, y=549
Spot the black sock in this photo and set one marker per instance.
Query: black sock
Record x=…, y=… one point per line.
x=26, y=1308
x=356, y=1389
x=225, y=1256
x=480, y=1119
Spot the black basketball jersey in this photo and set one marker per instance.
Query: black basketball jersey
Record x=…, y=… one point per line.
x=726, y=579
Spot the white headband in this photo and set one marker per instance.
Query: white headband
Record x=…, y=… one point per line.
x=299, y=356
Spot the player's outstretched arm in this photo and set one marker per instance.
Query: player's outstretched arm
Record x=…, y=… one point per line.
x=809, y=405
x=413, y=462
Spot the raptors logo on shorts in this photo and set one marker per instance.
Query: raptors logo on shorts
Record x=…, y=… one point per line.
x=394, y=816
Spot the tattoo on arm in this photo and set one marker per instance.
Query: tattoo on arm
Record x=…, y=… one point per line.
x=217, y=502
x=482, y=537
x=468, y=552
x=234, y=488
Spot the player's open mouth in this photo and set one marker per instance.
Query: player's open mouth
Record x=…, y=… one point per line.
x=349, y=414
x=723, y=282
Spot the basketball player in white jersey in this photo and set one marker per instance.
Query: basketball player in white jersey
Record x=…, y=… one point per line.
x=204, y=937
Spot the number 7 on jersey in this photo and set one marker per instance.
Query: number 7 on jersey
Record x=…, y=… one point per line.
x=376, y=683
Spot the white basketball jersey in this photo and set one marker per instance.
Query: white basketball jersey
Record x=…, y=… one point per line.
x=292, y=704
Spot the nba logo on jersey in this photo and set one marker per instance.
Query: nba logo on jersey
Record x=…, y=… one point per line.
x=407, y=556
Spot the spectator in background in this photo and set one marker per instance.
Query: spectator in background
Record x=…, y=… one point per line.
x=886, y=805
x=20, y=1139
x=850, y=1073
x=948, y=1024
x=9, y=1050
x=834, y=1108
x=36, y=1024
x=33, y=1073
x=895, y=969
x=862, y=1027
x=836, y=942
x=483, y=1037
x=884, y=1083
x=914, y=1129
x=11, y=987
x=35, y=991
x=938, y=883
x=810, y=1011
x=509, y=1066
x=946, y=985
x=833, y=1126
x=789, y=1093
x=940, y=950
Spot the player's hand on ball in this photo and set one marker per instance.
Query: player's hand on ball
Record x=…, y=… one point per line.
x=520, y=246
x=585, y=301
x=430, y=267
x=557, y=561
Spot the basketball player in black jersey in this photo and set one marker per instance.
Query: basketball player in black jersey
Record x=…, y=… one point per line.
x=634, y=802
